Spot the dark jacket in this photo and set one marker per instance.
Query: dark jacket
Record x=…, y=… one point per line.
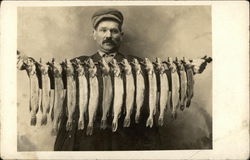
x=136, y=137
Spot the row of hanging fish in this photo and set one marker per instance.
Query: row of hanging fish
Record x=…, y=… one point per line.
x=170, y=84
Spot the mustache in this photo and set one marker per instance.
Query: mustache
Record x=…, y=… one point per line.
x=108, y=41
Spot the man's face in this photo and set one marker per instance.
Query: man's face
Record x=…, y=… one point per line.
x=108, y=36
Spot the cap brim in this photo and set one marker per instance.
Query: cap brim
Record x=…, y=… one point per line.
x=106, y=16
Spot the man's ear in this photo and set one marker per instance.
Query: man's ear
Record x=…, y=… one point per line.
x=94, y=34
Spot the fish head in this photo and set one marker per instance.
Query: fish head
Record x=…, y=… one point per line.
x=177, y=59
x=184, y=60
x=92, y=69
x=158, y=60
x=92, y=72
x=117, y=71
x=137, y=66
x=178, y=64
x=91, y=63
x=171, y=64
x=102, y=61
x=171, y=67
x=20, y=63
x=199, y=65
x=43, y=67
x=161, y=69
x=21, y=60
x=30, y=66
x=79, y=67
x=158, y=65
x=126, y=66
x=115, y=67
x=170, y=60
x=104, y=66
x=135, y=61
x=114, y=61
x=186, y=63
x=165, y=65
x=69, y=67
x=148, y=65
x=57, y=68
x=124, y=62
x=146, y=61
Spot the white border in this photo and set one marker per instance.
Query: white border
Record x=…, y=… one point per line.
x=230, y=22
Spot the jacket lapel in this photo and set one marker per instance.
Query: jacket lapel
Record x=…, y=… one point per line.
x=119, y=57
x=96, y=57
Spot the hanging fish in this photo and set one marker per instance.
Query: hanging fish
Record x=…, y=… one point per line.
x=93, y=95
x=107, y=92
x=183, y=83
x=35, y=92
x=21, y=60
x=52, y=90
x=199, y=65
x=45, y=105
x=152, y=91
x=83, y=93
x=129, y=91
x=175, y=95
x=140, y=88
x=71, y=92
x=164, y=89
x=190, y=80
x=118, y=93
x=58, y=95
x=52, y=101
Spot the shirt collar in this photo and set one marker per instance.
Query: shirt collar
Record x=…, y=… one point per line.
x=102, y=54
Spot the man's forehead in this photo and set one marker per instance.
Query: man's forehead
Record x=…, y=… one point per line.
x=108, y=24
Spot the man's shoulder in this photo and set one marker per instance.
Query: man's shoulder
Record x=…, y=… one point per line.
x=120, y=56
x=131, y=57
x=81, y=58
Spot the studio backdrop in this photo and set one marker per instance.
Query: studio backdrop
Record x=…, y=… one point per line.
x=149, y=31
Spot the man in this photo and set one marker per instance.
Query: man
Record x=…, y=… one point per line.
x=108, y=35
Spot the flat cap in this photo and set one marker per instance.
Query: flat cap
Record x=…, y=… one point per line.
x=107, y=14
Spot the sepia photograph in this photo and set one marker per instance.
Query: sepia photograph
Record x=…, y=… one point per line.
x=124, y=80
x=129, y=78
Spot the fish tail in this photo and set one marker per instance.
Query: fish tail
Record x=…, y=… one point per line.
x=137, y=117
x=33, y=120
x=89, y=131
x=150, y=122
x=188, y=102
x=192, y=94
x=103, y=124
x=182, y=107
x=69, y=125
x=160, y=121
x=48, y=109
x=126, y=122
x=185, y=103
x=174, y=115
x=54, y=131
x=44, y=119
x=80, y=124
x=114, y=126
